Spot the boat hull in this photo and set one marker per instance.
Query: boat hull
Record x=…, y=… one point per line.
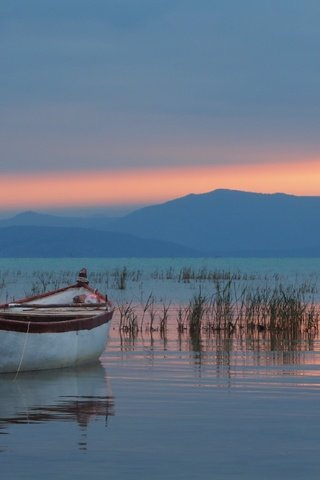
x=26, y=346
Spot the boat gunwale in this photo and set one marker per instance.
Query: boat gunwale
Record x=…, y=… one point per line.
x=24, y=325
x=50, y=293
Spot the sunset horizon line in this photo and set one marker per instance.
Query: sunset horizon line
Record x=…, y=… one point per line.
x=124, y=209
x=114, y=188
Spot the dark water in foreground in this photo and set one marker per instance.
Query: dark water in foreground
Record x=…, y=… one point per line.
x=168, y=408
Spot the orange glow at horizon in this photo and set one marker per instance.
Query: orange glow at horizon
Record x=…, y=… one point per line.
x=96, y=188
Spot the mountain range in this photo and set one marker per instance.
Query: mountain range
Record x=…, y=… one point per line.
x=217, y=223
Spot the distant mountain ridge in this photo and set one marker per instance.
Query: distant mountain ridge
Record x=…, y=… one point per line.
x=217, y=223
x=55, y=242
x=36, y=219
x=231, y=222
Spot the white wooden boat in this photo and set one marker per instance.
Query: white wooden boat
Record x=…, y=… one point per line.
x=62, y=328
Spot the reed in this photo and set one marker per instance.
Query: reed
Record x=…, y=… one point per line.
x=2, y=282
x=128, y=319
x=164, y=319
x=148, y=304
x=197, y=309
x=223, y=304
x=121, y=278
x=182, y=318
x=152, y=315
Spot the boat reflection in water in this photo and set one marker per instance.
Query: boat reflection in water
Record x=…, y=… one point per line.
x=79, y=395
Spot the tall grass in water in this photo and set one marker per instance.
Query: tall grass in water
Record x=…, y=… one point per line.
x=197, y=309
x=287, y=309
x=241, y=307
x=279, y=308
x=128, y=319
x=231, y=308
x=222, y=305
x=164, y=319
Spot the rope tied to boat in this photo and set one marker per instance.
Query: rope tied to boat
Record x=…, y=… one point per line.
x=23, y=351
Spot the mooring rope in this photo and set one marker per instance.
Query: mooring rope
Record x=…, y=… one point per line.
x=23, y=350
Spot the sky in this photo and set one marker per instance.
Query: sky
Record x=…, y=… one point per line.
x=111, y=104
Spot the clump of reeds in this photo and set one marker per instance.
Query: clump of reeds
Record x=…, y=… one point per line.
x=134, y=319
x=222, y=305
x=187, y=274
x=164, y=319
x=2, y=283
x=121, y=278
x=197, y=309
x=274, y=309
x=162, y=315
x=182, y=318
x=128, y=319
x=288, y=310
x=149, y=305
x=231, y=308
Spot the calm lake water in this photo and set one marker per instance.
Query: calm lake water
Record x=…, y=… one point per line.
x=167, y=406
